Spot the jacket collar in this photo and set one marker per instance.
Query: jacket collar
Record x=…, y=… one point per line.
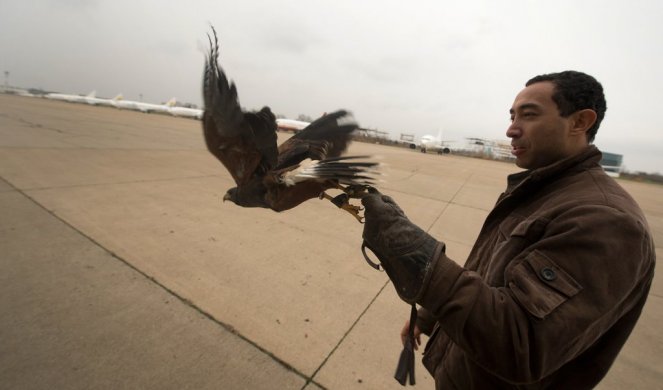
x=589, y=157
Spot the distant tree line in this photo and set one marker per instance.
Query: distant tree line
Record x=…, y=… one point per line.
x=642, y=177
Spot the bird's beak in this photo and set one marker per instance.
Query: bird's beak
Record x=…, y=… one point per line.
x=226, y=197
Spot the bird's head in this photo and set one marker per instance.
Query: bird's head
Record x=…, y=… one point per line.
x=251, y=195
x=231, y=195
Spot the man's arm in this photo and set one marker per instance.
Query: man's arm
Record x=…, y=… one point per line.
x=591, y=266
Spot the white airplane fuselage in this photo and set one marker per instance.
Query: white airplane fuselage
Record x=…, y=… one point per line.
x=119, y=102
x=186, y=112
x=433, y=144
x=290, y=124
x=66, y=97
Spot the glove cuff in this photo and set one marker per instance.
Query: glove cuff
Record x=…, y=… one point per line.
x=410, y=272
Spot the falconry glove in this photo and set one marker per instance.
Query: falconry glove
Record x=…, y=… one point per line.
x=406, y=252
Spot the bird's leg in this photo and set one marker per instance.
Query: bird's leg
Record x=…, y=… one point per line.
x=356, y=191
x=342, y=201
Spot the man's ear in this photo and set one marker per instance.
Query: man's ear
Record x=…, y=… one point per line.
x=583, y=120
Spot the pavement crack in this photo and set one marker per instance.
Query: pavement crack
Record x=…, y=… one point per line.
x=451, y=201
x=33, y=124
x=350, y=329
x=182, y=299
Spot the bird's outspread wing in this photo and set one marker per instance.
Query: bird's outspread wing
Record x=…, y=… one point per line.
x=310, y=162
x=326, y=137
x=244, y=142
x=279, y=178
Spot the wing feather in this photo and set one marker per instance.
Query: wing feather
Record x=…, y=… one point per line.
x=245, y=143
x=335, y=128
x=330, y=132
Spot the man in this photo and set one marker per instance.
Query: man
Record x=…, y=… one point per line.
x=559, y=273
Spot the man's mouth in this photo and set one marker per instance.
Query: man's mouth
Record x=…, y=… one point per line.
x=517, y=150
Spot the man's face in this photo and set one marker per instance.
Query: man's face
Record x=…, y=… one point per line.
x=539, y=135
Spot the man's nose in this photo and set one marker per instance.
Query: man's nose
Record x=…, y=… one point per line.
x=513, y=131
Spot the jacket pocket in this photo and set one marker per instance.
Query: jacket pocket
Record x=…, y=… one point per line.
x=530, y=229
x=540, y=285
x=436, y=347
x=515, y=235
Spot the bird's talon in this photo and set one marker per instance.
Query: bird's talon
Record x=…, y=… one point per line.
x=342, y=202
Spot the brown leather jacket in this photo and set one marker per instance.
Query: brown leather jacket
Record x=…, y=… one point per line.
x=551, y=290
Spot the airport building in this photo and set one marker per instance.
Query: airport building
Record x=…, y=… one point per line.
x=612, y=163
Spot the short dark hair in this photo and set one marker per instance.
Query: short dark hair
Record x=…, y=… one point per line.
x=576, y=91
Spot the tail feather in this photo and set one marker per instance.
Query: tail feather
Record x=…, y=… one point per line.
x=343, y=169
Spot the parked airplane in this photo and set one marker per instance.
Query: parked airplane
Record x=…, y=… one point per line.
x=432, y=143
x=90, y=98
x=186, y=112
x=69, y=98
x=119, y=102
x=144, y=107
x=290, y=125
x=161, y=108
x=95, y=101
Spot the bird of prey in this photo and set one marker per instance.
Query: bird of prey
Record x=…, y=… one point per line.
x=279, y=177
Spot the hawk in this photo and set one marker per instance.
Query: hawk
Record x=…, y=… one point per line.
x=279, y=177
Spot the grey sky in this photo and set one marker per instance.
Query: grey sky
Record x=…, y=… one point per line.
x=401, y=66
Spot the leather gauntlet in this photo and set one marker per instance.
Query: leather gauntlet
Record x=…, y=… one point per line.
x=406, y=252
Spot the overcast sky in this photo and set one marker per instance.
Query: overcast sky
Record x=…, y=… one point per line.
x=416, y=67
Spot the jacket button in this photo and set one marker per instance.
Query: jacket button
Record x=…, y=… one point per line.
x=548, y=274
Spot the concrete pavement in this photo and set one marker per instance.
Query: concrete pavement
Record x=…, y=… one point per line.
x=120, y=266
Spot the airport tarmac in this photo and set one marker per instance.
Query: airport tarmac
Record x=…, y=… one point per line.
x=120, y=266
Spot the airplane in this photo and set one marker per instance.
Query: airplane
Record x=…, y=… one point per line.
x=160, y=108
x=290, y=125
x=90, y=98
x=119, y=102
x=69, y=98
x=186, y=112
x=143, y=107
x=432, y=143
x=95, y=101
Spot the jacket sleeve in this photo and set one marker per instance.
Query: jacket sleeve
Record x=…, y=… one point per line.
x=425, y=321
x=591, y=265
